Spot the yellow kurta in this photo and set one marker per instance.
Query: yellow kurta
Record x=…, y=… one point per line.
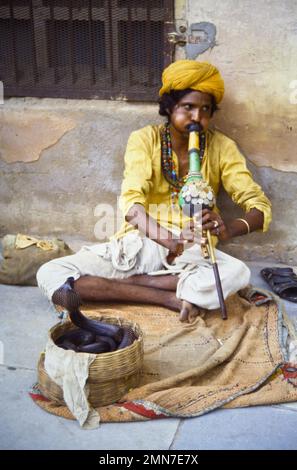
x=145, y=184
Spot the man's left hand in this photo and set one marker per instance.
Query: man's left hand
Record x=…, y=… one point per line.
x=215, y=224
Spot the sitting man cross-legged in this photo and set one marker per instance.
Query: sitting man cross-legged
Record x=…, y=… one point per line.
x=159, y=241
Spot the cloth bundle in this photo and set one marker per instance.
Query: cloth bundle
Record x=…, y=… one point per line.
x=23, y=255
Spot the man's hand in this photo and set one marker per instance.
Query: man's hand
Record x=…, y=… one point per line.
x=176, y=249
x=191, y=233
x=215, y=224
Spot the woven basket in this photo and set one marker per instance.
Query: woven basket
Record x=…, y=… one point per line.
x=111, y=374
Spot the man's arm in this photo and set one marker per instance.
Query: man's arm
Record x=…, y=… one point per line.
x=146, y=224
x=234, y=228
x=237, y=227
x=244, y=191
x=138, y=218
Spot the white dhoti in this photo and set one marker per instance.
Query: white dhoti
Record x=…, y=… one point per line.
x=132, y=255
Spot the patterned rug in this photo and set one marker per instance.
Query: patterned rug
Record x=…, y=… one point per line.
x=192, y=369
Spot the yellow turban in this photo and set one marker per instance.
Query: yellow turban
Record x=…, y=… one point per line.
x=200, y=76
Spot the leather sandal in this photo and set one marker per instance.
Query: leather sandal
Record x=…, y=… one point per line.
x=283, y=282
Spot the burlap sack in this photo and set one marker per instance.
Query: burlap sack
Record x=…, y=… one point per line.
x=19, y=266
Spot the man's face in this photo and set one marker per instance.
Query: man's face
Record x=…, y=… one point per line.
x=195, y=107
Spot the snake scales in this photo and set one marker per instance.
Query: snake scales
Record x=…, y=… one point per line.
x=90, y=336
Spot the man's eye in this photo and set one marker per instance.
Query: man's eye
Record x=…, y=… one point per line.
x=188, y=107
x=205, y=108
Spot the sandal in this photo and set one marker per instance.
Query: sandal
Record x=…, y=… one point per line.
x=283, y=282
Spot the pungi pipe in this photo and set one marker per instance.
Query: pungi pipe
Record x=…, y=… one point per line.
x=196, y=195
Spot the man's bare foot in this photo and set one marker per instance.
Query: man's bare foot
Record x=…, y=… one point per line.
x=188, y=312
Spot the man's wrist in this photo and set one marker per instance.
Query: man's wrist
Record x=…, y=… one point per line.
x=234, y=228
x=227, y=234
x=176, y=246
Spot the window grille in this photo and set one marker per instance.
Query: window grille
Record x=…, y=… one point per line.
x=108, y=49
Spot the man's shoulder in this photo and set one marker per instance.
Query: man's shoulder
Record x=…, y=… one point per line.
x=147, y=133
x=218, y=137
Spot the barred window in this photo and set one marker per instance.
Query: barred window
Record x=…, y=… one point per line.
x=108, y=49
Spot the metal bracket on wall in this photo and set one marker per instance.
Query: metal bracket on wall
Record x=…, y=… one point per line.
x=201, y=37
x=177, y=38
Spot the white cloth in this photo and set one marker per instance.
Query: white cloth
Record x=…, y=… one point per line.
x=132, y=254
x=70, y=370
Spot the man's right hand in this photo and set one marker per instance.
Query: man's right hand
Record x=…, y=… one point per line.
x=191, y=233
x=176, y=249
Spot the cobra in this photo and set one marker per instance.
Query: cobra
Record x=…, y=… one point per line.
x=90, y=336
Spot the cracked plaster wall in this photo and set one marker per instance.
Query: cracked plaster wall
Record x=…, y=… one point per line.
x=256, y=52
x=72, y=150
x=24, y=135
x=81, y=168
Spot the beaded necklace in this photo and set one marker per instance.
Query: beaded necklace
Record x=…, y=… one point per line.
x=167, y=162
